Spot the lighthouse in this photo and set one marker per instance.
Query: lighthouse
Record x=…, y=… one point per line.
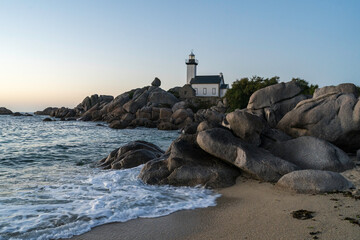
x=204, y=85
x=191, y=67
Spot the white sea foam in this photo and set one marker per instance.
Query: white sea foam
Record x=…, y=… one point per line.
x=76, y=204
x=48, y=189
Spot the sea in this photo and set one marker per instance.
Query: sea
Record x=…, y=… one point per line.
x=50, y=187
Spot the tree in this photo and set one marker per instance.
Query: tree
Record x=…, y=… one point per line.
x=241, y=90
x=304, y=85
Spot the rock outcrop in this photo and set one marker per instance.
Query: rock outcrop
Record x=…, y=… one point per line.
x=90, y=102
x=246, y=126
x=333, y=115
x=47, y=111
x=163, y=98
x=312, y=153
x=63, y=113
x=274, y=101
x=156, y=82
x=255, y=161
x=314, y=181
x=188, y=165
x=5, y=111
x=131, y=155
x=345, y=88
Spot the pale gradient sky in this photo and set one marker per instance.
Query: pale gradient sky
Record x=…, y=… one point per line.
x=55, y=53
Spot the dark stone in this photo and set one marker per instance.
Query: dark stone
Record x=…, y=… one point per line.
x=131, y=155
x=257, y=162
x=312, y=153
x=190, y=128
x=166, y=126
x=47, y=111
x=162, y=97
x=156, y=82
x=334, y=117
x=187, y=92
x=302, y=214
x=47, y=120
x=246, y=126
x=117, y=124
x=270, y=95
x=314, y=181
x=188, y=165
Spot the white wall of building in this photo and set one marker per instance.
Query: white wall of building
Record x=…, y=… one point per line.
x=191, y=72
x=206, y=90
x=222, y=92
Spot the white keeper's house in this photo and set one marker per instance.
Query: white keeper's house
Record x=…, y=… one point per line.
x=206, y=85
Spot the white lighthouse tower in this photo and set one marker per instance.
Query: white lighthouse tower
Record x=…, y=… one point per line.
x=191, y=67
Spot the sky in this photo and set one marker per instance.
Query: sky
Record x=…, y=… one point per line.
x=55, y=53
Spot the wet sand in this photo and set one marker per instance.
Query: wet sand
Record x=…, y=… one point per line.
x=248, y=210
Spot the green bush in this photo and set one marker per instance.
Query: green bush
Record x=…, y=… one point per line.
x=241, y=90
x=306, y=89
x=131, y=94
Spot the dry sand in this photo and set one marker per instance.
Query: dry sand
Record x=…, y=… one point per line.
x=248, y=210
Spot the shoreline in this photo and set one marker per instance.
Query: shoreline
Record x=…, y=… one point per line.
x=250, y=209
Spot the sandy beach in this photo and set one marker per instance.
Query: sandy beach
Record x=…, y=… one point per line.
x=248, y=210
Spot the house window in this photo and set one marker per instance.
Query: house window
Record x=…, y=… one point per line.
x=214, y=91
x=204, y=91
x=196, y=91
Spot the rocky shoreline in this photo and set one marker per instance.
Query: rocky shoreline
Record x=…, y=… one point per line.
x=282, y=137
x=302, y=143
x=149, y=106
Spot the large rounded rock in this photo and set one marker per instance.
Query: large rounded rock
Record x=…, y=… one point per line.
x=268, y=96
x=142, y=122
x=63, y=113
x=165, y=114
x=119, y=124
x=246, y=126
x=47, y=111
x=312, y=153
x=145, y=112
x=270, y=136
x=90, y=102
x=156, y=82
x=162, y=97
x=5, y=111
x=117, y=103
x=127, y=117
x=188, y=165
x=179, y=105
x=277, y=111
x=166, y=126
x=180, y=116
x=334, y=117
x=342, y=88
x=209, y=115
x=205, y=125
x=314, y=181
x=131, y=155
x=131, y=107
x=256, y=161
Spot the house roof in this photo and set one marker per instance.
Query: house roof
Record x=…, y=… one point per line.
x=224, y=86
x=206, y=79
